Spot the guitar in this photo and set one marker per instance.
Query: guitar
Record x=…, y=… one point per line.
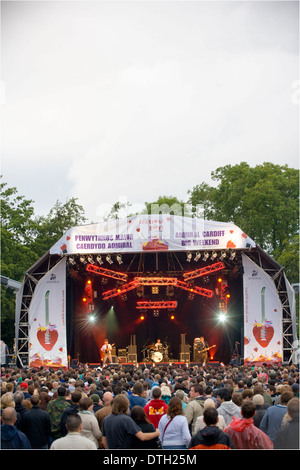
x=108, y=350
x=206, y=349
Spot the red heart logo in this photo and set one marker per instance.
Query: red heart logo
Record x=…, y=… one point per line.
x=47, y=338
x=263, y=334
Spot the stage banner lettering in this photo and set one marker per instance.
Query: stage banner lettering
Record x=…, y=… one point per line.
x=144, y=233
x=262, y=316
x=47, y=319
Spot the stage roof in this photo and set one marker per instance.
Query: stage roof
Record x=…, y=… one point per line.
x=152, y=233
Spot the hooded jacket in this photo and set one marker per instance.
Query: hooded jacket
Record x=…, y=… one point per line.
x=228, y=409
x=245, y=435
x=12, y=438
x=211, y=437
x=154, y=410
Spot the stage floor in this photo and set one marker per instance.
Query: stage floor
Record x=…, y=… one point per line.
x=153, y=364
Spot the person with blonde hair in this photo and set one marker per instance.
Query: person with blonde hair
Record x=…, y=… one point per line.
x=90, y=426
x=200, y=423
x=7, y=400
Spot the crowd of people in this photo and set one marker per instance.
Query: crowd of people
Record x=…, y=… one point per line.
x=159, y=407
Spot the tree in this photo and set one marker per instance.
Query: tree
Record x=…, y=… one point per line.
x=24, y=239
x=263, y=201
x=165, y=205
x=47, y=230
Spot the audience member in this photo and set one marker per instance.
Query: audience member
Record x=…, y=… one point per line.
x=288, y=436
x=156, y=407
x=211, y=436
x=74, y=439
x=200, y=423
x=272, y=419
x=119, y=428
x=36, y=425
x=11, y=436
x=173, y=427
x=195, y=406
x=90, y=426
x=244, y=434
x=140, y=418
x=227, y=408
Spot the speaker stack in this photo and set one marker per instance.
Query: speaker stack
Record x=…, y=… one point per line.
x=184, y=350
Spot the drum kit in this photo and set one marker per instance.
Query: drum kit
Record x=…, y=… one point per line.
x=159, y=354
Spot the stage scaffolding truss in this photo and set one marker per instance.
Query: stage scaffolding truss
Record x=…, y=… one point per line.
x=47, y=262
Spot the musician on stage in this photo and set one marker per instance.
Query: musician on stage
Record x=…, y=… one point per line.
x=158, y=345
x=106, y=351
x=203, y=346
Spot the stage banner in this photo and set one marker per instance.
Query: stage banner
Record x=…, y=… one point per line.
x=47, y=320
x=162, y=232
x=262, y=316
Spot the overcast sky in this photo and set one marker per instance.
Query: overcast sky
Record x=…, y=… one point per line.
x=137, y=99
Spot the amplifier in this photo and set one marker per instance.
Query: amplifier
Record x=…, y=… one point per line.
x=121, y=352
x=132, y=358
x=184, y=357
x=122, y=359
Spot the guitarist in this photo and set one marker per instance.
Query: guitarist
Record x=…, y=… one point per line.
x=203, y=350
x=106, y=351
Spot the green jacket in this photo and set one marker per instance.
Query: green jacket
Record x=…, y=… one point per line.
x=55, y=409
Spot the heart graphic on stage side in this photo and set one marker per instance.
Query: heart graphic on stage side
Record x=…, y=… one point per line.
x=263, y=334
x=52, y=336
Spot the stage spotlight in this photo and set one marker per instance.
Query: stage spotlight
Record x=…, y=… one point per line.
x=82, y=260
x=232, y=256
x=223, y=255
x=156, y=313
x=72, y=260
x=119, y=259
x=172, y=316
x=99, y=259
x=205, y=256
x=222, y=317
x=84, y=299
x=90, y=259
x=108, y=259
x=220, y=279
x=142, y=317
x=214, y=255
x=92, y=318
x=189, y=257
x=197, y=257
x=155, y=290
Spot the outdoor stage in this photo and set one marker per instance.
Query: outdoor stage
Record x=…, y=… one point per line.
x=138, y=279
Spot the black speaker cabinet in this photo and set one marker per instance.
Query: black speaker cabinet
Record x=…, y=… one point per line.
x=132, y=358
x=184, y=357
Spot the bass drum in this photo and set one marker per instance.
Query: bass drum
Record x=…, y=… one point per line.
x=156, y=356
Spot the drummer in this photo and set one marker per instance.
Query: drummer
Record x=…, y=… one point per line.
x=158, y=345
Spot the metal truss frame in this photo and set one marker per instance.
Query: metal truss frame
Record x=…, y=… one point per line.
x=206, y=271
x=156, y=305
x=107, y=272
